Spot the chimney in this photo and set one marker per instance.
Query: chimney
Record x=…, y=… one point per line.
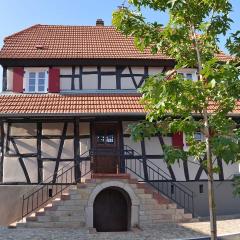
x=100, y=23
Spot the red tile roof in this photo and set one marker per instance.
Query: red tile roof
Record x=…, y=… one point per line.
x=74, y=42
x=84, y=104
x=56, y=104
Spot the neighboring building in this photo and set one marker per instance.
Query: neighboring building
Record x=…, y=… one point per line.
x=69, y=94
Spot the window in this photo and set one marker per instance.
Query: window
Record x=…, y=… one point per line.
x=36, y=81
x=198, y=136
x=188, y=73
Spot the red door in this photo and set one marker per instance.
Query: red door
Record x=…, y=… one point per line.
x=105, y=148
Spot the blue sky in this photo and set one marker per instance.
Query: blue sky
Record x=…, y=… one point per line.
x=19, y=14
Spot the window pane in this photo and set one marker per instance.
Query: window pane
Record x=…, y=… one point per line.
x=41, y=81
x=32, y=81
x=110, y=137
x=41, y=88
x=189, y=76
x=198, y=136
x=41, y=75
x=32, y=75
x=181, y=74
x=31, y=88
x=100, y=137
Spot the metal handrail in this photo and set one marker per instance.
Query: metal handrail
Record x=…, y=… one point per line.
x=182, y=196
x=36, y=198
x=138, y=155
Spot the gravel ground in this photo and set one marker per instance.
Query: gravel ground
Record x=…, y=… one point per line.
x=156, y=232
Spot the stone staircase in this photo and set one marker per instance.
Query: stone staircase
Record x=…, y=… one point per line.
x=71, y=210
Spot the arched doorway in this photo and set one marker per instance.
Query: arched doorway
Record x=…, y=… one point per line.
x=112, y=210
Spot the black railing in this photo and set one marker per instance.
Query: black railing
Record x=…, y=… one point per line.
x=55, y=185
x=149, y=172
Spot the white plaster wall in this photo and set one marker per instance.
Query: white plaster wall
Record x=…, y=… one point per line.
x=153, y=146
x=84, y=146
x=65, y=70
x=9, y=79
x=108, y=69
x=65, y=84
x=108, y=82
x=76, y=83
x=24, y=146
x=90, y=81
x=50, y=148
x=135, y=145
x=138, y=70
x=154, y=70
x=56, y=129
x=127, y=83
x=48, y=169
x=84, y=128
x=230, y=170
x=12, y=170
x=89, y=68
x=23, y=129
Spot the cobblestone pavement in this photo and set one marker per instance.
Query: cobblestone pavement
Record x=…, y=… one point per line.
x=157, y=232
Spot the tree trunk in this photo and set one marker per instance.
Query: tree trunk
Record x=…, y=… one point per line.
x=211, y=198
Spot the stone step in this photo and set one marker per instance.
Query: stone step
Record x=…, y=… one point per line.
x=64, y=213
x=51, y=225
x=59, y=218
x=69, y=208
x=72, y=202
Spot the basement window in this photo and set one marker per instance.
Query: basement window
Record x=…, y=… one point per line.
x=50, y=192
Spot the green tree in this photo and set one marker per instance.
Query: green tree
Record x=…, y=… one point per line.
x=175, y=104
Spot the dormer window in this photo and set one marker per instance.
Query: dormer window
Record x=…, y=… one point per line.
x=188, y=73
x=36, y=81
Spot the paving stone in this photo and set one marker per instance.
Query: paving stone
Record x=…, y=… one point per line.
x=161, y=231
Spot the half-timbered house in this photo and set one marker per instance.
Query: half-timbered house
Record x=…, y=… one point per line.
x=69, y=95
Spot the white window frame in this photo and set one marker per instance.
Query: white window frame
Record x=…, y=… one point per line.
x=27, y=71
x=186, y=71
x=185, y=146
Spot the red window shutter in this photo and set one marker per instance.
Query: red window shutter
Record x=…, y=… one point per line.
x=54, y=80
x=177, y=140
x=18, y=73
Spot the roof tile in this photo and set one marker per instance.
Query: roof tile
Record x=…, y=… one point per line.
x=75, y=42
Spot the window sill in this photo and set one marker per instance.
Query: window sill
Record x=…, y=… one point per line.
x=35, y=92
x=117, y=91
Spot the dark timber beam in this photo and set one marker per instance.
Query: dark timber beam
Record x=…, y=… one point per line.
x=39, y=152
x=77, y=151
x=2, y=151
x=121, y=148
x=99, y=77
x=64, y=133
x=4, y=80
x=73, y=78
x=20, y=160
x=221, y=174
x=144, y=161
x=80, y=77
x=162, y=143
x=8, y=136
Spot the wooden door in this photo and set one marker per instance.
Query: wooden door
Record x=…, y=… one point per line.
x=110, y=211
x=105, y=148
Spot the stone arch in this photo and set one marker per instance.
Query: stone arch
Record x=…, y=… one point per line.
x=121, y=185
